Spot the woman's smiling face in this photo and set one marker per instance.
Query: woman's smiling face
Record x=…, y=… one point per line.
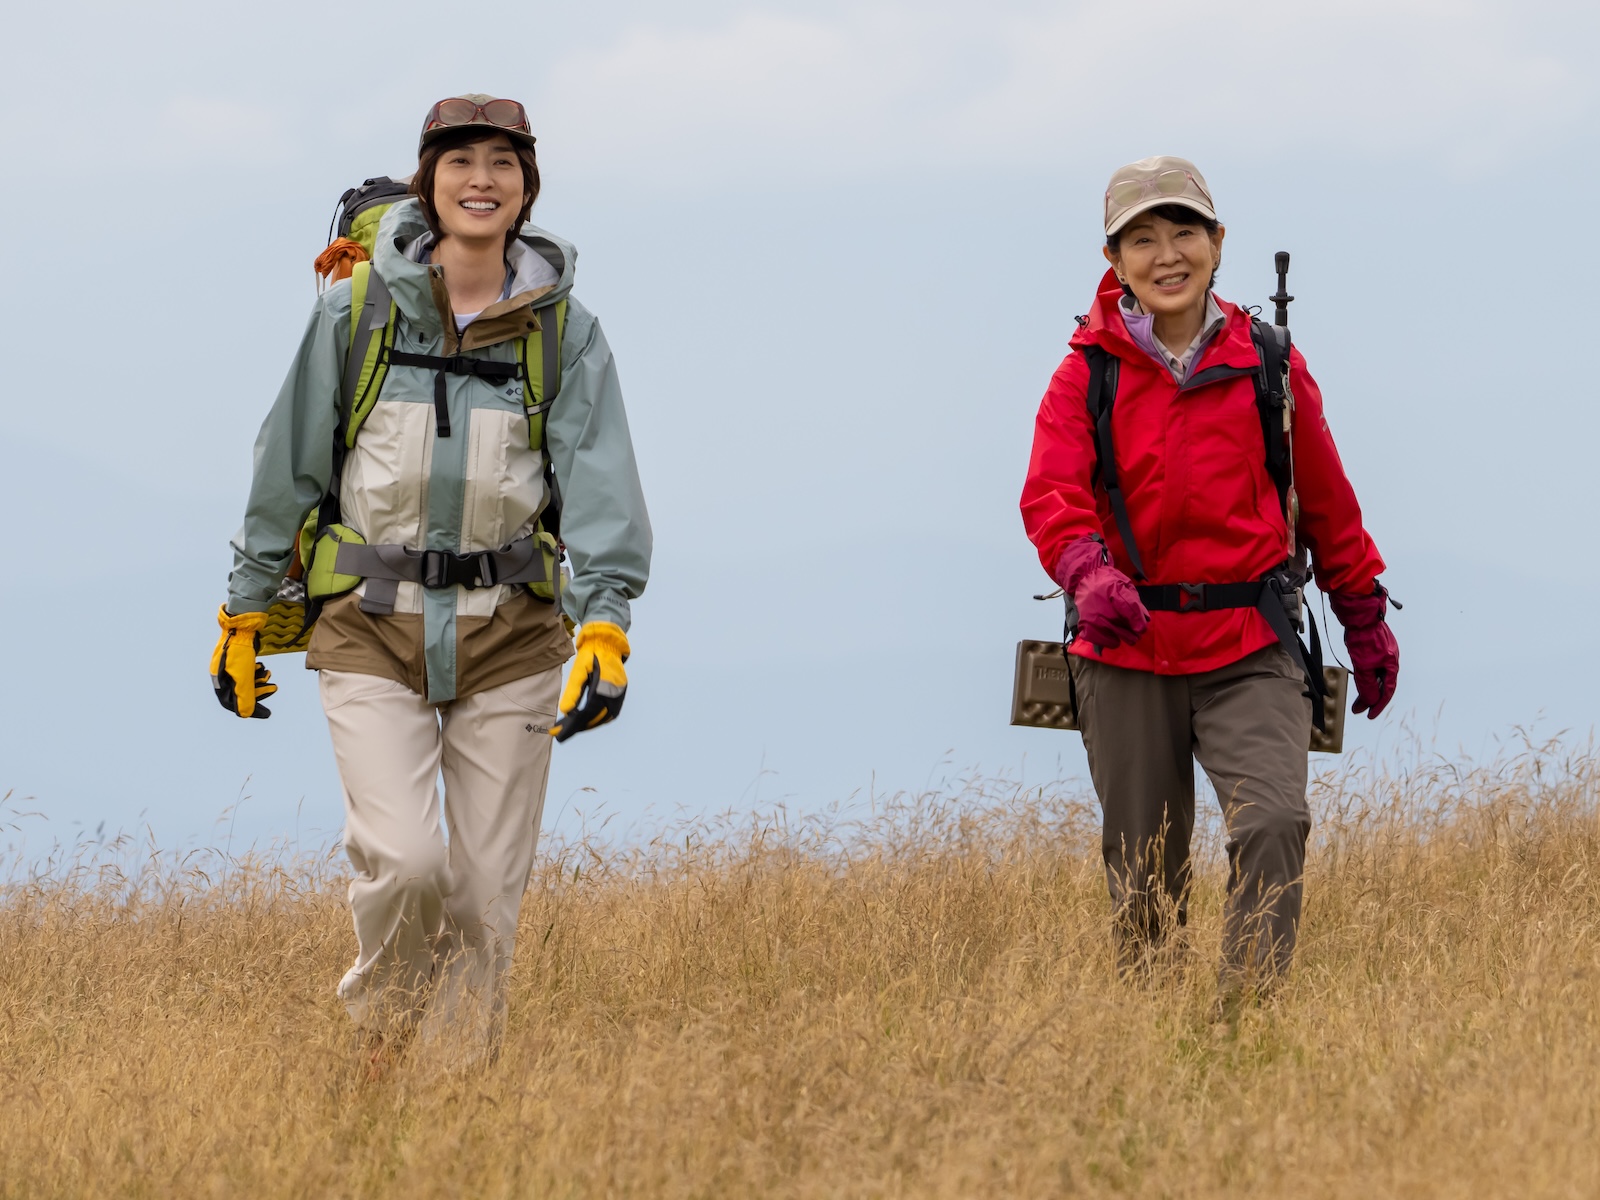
x=1168, y=266
x=477, y=189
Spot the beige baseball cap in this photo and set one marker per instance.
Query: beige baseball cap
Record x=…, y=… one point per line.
x=1152, y=182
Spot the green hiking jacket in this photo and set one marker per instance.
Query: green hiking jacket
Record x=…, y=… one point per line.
x=476, y=490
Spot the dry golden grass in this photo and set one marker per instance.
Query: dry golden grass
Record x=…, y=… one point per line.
x=922, y=1003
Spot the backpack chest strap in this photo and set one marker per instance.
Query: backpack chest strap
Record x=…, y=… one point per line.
x=497, y=373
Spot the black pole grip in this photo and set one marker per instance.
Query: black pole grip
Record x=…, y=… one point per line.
x=1281, y=299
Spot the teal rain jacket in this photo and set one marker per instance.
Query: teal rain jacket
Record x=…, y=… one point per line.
x=477, y=490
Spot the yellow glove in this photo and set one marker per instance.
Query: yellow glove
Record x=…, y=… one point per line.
x=241, y=682
x=598, y=684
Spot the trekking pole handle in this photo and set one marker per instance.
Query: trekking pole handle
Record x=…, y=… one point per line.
x=1281, y=299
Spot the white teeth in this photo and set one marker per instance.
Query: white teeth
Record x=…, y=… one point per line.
x=1170, y=280
x=480, y=205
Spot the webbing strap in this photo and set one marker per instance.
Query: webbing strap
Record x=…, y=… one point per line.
x=367, y=366
x=520, y=562
x=1199, y=597
x=550, y=351
x=550, y=374
x=1104, y=371
x=1266, y=596
x=376, y=300
x=378, y=597
x=497, y=373
x=1271, y=400
x=1272, y=608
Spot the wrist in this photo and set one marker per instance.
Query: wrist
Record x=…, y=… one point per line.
x=250, y=622
x=604, y=635
x=1360, y=610
x=239, y=605
x=1080, y=559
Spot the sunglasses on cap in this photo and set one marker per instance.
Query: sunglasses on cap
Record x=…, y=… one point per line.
x=455, y=112
x=1169, y=183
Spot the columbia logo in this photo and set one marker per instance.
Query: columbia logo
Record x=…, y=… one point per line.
x=537, y=728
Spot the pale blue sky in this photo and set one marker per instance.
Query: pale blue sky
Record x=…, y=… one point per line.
x=837, y=249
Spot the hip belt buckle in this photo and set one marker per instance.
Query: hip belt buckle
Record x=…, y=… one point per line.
x=435, y=569
x=1191, y=591
x=442, y=569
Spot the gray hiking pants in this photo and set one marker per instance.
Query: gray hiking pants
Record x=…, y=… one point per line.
x=1248, y=724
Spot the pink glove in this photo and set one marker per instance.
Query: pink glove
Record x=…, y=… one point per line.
x=1374, y=654
x=1109, y=611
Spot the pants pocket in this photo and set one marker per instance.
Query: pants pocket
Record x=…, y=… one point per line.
x=538, y=695
x=339, y=688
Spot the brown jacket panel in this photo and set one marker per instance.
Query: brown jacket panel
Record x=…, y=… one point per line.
x=524, y=637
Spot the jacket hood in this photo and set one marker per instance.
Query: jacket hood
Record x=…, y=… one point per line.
x=411, y=283
x=1103, y=326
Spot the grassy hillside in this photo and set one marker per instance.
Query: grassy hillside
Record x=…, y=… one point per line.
x=917, y=1003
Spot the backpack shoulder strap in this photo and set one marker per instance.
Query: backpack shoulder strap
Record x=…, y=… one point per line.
x=372, y=314
x=540, y=356
x=1104, y=371
x=1275, y=405
x=372, y=321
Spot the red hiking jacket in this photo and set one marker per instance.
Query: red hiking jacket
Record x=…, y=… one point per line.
x=1193, y=471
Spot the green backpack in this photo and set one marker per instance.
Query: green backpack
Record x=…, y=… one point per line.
x=313, y=577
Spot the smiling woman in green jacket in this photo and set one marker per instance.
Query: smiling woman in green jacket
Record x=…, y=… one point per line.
x=444, y=658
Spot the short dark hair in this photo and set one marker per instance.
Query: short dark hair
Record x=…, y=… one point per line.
x=1178, y=214
x=428, y=166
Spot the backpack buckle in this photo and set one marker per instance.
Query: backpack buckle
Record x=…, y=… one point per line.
x=435, y=569
x=1195, y=592
x=442, y=569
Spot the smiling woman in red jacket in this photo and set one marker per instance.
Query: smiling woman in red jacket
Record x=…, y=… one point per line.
x=1168, y=671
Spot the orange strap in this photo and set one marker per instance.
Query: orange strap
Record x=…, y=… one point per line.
x=339, y=260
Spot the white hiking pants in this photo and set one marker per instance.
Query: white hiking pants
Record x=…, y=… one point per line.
x=436, y=923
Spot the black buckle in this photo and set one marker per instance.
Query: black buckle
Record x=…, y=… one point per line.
x=435, y=569
x=1197, y=591
x=442, y=569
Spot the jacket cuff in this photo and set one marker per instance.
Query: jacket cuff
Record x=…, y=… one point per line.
x=605, y=606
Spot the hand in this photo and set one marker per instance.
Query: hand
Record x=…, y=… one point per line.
x=1374, y=653
x=597, y=684
x=1109, y=610
x=241, y=682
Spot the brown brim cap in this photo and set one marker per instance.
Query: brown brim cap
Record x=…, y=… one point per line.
x=477, y=111
x=1152, y=182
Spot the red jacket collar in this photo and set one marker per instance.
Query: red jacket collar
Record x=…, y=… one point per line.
x=1103, y=327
